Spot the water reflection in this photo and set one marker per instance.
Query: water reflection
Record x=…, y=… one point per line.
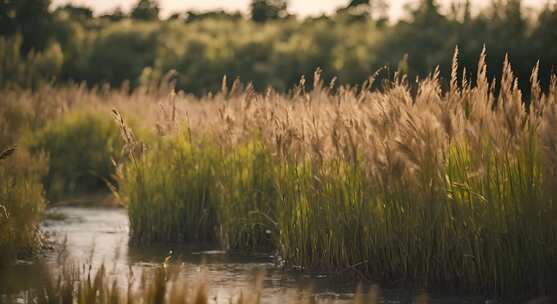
x=99, y=235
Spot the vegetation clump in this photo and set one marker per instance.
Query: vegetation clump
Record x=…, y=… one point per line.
x=21, y=204
x=450, y=188
x=81, y=146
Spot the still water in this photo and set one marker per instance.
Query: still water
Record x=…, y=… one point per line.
x=99, y=235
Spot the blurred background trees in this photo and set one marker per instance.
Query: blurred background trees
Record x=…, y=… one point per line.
x=266, y=10
x=75, y=11
x=40, y=44
x=30, y=18
x=361, y=10
x=146, y=10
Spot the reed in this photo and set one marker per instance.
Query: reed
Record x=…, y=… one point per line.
x=21, y=203
x=438, y=188
x=185, y=210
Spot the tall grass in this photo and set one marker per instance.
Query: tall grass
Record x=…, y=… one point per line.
x=21, y=190
x=185, y=209
x=406, y=185
x=65, y=143
x=449, y=188
x=71, y=126
x=21, y=203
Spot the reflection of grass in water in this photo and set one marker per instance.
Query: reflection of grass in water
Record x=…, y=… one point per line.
x=161, y=285
x=21, y=202
x=164, y=283
x=56, y=216
x=98, y=199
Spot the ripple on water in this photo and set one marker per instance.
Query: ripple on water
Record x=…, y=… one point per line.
x=97, y=235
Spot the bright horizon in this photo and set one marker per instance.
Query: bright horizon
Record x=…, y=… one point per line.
x=299, y=7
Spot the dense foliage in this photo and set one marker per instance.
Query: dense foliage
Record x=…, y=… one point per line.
x=80, y=147
x=203, y=47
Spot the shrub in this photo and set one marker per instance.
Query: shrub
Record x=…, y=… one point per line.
x=169, y=194
x=81, y=146
x=30, y=70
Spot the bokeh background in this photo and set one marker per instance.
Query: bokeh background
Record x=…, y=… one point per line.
x=266, y=42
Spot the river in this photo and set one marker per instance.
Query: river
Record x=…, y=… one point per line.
x=100, y=235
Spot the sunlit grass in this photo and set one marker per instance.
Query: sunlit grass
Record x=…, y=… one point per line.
x=447, y=189
x=21, y=204
x=428, y=187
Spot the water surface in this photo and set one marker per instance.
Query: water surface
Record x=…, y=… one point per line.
x=100, y=235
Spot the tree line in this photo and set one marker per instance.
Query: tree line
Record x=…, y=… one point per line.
x=267, y=46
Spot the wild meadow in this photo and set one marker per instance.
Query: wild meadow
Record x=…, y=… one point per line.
x=393, y=163
x=442, y=185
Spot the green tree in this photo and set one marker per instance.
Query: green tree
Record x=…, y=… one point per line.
x=30, y=18
x=507, y=16
x=74, y=11
x=355, y=3
x=116, y=15
x=365, y=9
x=192, y=16
x=121, y=54
x=427, y=13
x=146, y=10
x=544, y=39
x=265, y=10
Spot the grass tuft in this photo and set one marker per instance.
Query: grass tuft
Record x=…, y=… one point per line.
x=448, y=189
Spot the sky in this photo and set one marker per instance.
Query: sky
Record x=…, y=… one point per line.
x=299, y=7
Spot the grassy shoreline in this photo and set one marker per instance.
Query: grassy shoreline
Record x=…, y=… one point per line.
x=446, y=188
x=451, y=188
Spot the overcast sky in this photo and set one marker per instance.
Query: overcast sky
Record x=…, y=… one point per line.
x=300, y=7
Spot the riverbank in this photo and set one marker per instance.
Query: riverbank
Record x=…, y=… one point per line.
x=96, y=236
x=429, y=188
